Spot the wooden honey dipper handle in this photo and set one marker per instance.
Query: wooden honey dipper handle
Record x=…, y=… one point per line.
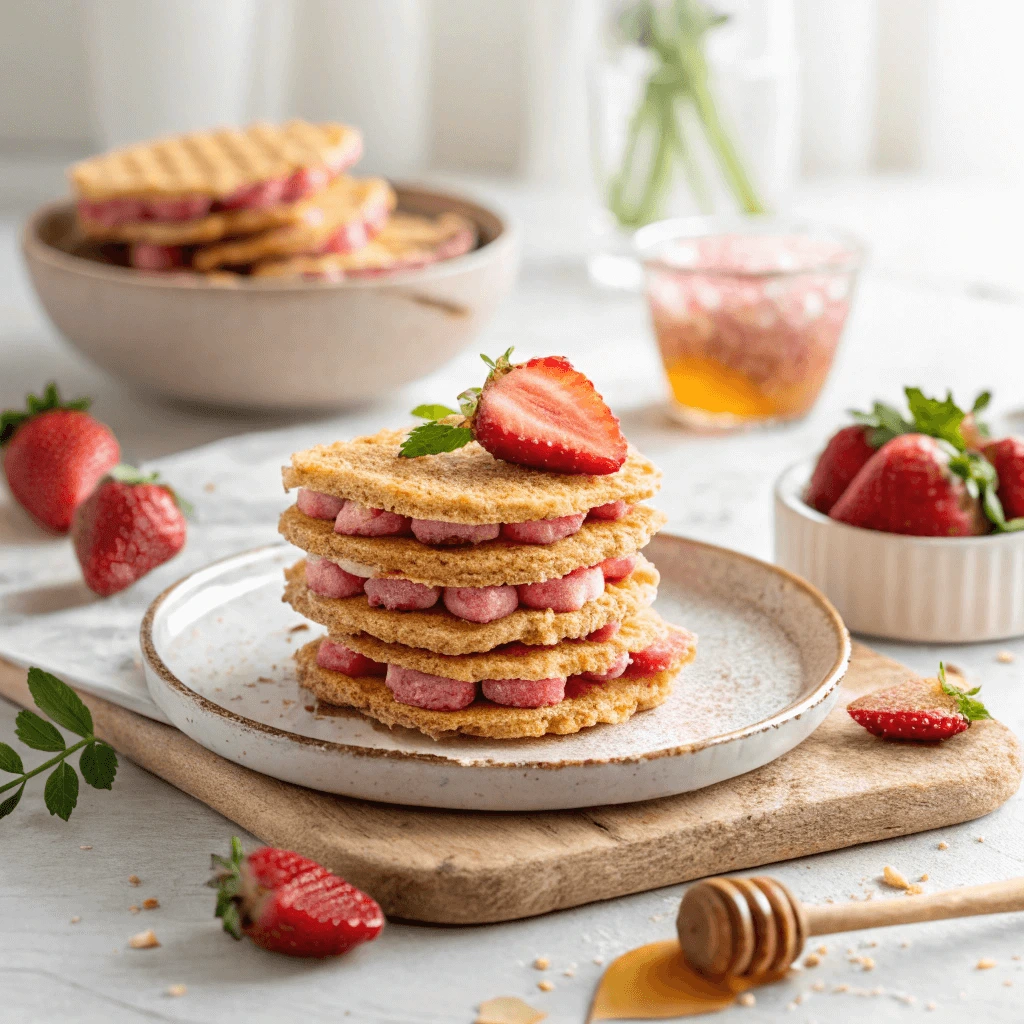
x=747, y=927
x=991, y=898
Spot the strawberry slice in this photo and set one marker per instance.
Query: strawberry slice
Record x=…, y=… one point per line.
x=543, y=414
x=665, y=652
x=922, y=709
x=290, y=904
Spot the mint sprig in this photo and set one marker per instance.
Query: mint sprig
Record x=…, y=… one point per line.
x=937, y=417
x=34, y=406
x=98, y=762
x=435, y=437
x=972, y=710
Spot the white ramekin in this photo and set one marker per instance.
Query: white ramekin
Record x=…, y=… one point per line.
x=922, y=589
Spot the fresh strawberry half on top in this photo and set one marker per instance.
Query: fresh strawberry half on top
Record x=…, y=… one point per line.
x=290, y=904
x=54, y=455
x=542, y=413
x=922, y=709
x=129, y=526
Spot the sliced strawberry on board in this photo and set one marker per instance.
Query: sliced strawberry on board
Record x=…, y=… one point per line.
x=1007, y=456
x=129, y=526
x=921, y=709
x=290, y=904
x=543, y=414
x=54, y=454
x=919, y=486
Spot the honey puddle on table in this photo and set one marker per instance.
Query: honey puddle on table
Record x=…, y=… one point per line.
x=655, y=982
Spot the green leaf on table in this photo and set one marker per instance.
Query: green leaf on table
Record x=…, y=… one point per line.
x=10, y=760
x=433, y=412
x=11, y=802
x=99, y=765
x=37, y=733
x=61, y=792
x=434, y=438
x=58, y=701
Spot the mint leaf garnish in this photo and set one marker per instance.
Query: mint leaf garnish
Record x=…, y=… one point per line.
x=99, y=765
x=98, y=761
x=433, y=412
x=61, y=791
x=58, y=701
x=36, y=732
x=10, y=761
x=973, y=710
x=433, y=439
x=936, y=418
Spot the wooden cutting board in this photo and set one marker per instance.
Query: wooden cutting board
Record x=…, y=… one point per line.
x=838, y=788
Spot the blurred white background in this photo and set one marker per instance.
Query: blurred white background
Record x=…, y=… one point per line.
x=498, y=87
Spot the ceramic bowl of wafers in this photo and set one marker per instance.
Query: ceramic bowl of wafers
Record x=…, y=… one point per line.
x=290, y=337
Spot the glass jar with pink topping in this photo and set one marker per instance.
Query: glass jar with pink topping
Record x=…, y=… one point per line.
x=747, y=314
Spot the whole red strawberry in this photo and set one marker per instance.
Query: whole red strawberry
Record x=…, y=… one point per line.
x=543, y=414
x=915, y=485
x=845, y=455
x=922, y=709
x=54, y=455
x=1007, y=455
x=290, y=904
x=129, y=526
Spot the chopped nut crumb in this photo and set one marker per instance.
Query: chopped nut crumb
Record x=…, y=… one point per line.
x=1006, y=657
x=176, y=990
x=85, y=847
x=893, y=878
x=150, y=904
x=943, y=846
x=812, y=960
x=546, y=986
x=747, y=999
x=144, y=940
x=134, y=880
x=133, y=909
x=75, y=919
x=542, y=963
x=985, y=964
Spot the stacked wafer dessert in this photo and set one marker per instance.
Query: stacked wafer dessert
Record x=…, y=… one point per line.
x=483, y=574
x=267, y=200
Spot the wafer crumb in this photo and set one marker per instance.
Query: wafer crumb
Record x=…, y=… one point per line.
x=812, y=960
x=904, y=944
x=546, y=986
x=75, y=919
x=931, y=1005
x=134, y=909
x=895, y=879
x=924, y=877
x=943, y=846
x=985, y=964
x=150, y=904
x=508, y=1010
x=818, y=986
x=842, y=987
x=85, y=847
x=747, y=999
x=1008, y=983
x=1006, y=657
x=822, y=950
x=1016, y=956
x=866, y=963
x=144, y=940
x=599, y=960
x=569, y=973
x=542, y=963
x=134, y=880
x=914, y=889
x=176, y=990
x=979, y=839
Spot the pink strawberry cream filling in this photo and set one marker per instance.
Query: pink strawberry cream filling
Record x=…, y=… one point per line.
x=438, y=693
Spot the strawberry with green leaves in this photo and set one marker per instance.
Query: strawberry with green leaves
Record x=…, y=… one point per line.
x=130, y=525
x=543, y=414
x=921, y=709
x=54, y=454
x=1007, y=456
x=289, y=904
x=849, y=450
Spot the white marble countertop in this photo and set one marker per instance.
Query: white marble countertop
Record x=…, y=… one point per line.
x=941, y=304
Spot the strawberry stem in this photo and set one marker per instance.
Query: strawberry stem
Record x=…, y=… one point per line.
x=12, y=419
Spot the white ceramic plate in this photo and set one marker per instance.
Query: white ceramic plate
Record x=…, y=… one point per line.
x=217, y=648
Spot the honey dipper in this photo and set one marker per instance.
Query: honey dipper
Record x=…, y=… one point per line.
x=750, y=927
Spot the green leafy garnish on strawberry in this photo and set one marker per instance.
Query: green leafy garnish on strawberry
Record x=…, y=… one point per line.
x=941, y=418
x=98, y=762
x=972, y=710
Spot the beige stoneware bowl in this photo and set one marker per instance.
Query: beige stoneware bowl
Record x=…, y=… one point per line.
x=264, y=343
x=919, y=589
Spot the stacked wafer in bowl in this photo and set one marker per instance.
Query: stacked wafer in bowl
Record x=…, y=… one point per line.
x=463, y=593
x=267, y=200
